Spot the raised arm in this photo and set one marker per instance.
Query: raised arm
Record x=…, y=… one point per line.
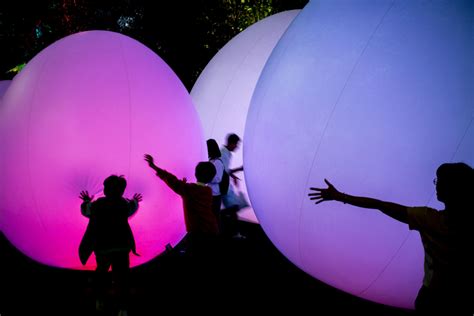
x=170, y=179
x=86, y=203
x=394, y=210
x=133, y=203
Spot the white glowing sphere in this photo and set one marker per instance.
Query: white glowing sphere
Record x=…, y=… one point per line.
x=88, y=106
x=224, y=89
x=373, y=96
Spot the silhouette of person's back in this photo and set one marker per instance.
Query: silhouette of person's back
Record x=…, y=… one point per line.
x=110, y=237
x=109, y=219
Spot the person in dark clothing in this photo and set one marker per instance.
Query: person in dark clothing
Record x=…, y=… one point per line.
x=447, y=237
x=201, y=223
x=110, y=237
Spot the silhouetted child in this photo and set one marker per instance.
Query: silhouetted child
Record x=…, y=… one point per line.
x=447, y=237
x=110, y=237
x=201, y=223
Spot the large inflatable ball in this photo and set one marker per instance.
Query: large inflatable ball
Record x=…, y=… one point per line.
x=224, y=89
x=374, y=96
x=88, y=106
x=4, y=84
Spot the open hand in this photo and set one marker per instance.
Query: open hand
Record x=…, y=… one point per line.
x=149, y=159
x=84, y=195
x=321, y=195
x=138, y=197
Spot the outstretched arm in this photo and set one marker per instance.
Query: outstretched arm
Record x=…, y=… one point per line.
x=395, y=211
x=233, y=176
x=241, y=168
x=170, y=179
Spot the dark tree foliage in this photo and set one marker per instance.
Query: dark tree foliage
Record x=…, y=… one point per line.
x=186, y=34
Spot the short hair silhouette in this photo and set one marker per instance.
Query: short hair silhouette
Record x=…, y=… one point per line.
x=213, y=151
x=114, y=186
x=205, y=172
x=233, y=139
x=455, y=183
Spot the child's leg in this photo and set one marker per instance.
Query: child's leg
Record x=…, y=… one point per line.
x=121, y=272
x=100, y=282
x=229, y=216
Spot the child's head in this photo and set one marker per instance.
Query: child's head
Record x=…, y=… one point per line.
x=205, y=172
x=114, y=186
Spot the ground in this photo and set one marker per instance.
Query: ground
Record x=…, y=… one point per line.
x=243, y=276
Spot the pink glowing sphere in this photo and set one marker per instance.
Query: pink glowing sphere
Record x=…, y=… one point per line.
x=88, y=106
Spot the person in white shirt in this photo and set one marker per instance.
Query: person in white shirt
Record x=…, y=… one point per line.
x=233, y=142
x=232, y=201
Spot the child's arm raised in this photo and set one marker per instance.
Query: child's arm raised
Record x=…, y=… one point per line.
x=170, y=179
x=86, y=204
x=133, y=203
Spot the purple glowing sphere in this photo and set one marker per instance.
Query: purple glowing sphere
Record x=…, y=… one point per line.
x=88, y=106
x=374, y=96
x=4, y=84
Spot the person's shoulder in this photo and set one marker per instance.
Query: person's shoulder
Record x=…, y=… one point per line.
x=102, y=201
x=199, y=187
x=124, y=201
x=99, y=201
x=98, y=205
x=224, y=150
x=424, y=217
x=423, y=211
x=217, y=162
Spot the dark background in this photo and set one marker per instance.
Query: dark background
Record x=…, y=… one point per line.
x=186, y=34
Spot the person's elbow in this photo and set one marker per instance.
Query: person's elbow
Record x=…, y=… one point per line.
x=403, y=216
x=396, y=211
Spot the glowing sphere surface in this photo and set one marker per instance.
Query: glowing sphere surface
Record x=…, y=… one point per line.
x=224, y=89
x=88, y=106
x=373, y=96
x=4, y=84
